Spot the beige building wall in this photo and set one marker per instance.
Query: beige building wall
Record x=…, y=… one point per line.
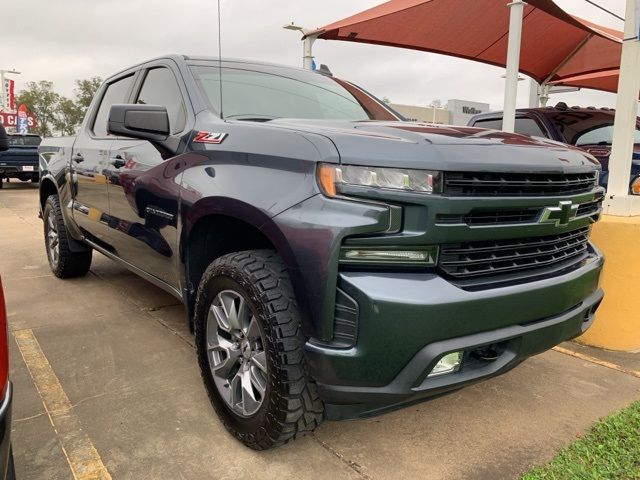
x=423, y=114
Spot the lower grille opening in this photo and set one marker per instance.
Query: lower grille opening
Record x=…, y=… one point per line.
x=481, y=356
x=345, y=325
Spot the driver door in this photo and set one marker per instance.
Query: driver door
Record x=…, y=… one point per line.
x=143, y=195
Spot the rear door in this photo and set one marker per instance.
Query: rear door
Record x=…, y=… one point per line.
x=143, y=195
x=90, y=160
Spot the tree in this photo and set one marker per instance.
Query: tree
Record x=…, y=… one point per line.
x=42, y=101
x=68, y=116
x=55, y=113
x=85, y=90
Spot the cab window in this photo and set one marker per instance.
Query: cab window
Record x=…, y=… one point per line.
x=490, y=123
x=116, y=93
x=528, y=126
x=161, y=88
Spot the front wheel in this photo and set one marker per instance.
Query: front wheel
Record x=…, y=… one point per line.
x=64, y=262
x=250, y=350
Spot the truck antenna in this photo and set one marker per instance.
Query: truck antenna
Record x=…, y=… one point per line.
x=220, y=58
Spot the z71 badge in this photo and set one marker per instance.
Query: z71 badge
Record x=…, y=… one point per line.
x=209, y=137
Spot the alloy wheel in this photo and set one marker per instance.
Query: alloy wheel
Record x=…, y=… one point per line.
x=237, y=359
x=53, y=239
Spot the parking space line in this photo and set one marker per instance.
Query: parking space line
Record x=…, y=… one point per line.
x=82, y=456
x=602, y=363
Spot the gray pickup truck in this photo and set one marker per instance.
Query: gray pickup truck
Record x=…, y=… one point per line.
x=334, y=260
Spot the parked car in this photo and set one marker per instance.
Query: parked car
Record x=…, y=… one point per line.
x=6, y=388
x=589, y=128
x=334, y=262
x=20, y=160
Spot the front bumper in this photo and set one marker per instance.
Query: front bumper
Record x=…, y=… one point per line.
x=409, y=320
x=5, y=429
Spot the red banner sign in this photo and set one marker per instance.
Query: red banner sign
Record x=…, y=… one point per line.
x=11, y=120
x=9, y=100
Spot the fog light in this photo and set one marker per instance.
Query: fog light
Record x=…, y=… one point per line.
x=635, y=186
x=450, y=363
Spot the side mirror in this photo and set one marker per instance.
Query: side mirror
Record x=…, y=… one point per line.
x=4, y=139
x=146, y=122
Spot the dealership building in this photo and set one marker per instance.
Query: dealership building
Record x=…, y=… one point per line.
x=456, y=112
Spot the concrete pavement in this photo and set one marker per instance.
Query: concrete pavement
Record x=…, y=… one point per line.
x=120, y=350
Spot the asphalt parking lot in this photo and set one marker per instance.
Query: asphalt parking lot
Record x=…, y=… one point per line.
x=104, y=371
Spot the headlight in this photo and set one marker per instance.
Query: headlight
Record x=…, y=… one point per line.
x=333, y=178
x=635, y=186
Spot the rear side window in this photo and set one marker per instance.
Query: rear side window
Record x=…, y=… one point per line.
x=160, y=88
x=116, y=93
x=528, y=126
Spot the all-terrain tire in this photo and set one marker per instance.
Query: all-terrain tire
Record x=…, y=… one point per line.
x=67, y=263
x=291, y=405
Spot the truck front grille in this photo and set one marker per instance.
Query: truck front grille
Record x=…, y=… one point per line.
x=483, y=264
x=507, y=184
x=510, y=216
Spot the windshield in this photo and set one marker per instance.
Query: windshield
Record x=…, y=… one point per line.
x=24, y=140
x=262, y=96
x=587, y=128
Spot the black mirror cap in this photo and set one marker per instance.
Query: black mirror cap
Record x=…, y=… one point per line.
x=4, y=139
x=146, y=122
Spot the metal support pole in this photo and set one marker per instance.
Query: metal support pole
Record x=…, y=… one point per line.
x=624, y=128
x=3, y=101
x=516, y=13
x=307, y=51
x=544, y=94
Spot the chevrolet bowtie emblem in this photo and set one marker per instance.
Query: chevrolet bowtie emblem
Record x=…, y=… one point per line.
x=560, y=215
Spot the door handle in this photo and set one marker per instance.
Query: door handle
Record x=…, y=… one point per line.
x=118, y=161
x=78, y=158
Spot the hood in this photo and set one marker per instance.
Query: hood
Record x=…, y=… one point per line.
x=603, y=152
x=426, y=146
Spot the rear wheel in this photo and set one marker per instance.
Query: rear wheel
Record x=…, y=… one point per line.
x=64, y=262
x=250, y=350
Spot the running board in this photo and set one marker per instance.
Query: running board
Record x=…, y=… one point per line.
x=147, y=276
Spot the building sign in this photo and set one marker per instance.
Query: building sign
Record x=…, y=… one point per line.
x=11, y=120
x=22, y=125
x=463, y=110
x=471, y=110
x=8, y=102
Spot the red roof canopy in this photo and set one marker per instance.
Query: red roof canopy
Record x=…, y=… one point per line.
x=555, y=45
x=606, y=80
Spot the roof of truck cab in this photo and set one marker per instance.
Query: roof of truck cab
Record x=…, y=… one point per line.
x=181, y=58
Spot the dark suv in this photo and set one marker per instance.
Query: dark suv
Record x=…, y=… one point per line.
x=333, y=260
x=21, y=159
x=588, y=128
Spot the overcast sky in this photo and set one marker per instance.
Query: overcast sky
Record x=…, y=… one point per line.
x=64, y=40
